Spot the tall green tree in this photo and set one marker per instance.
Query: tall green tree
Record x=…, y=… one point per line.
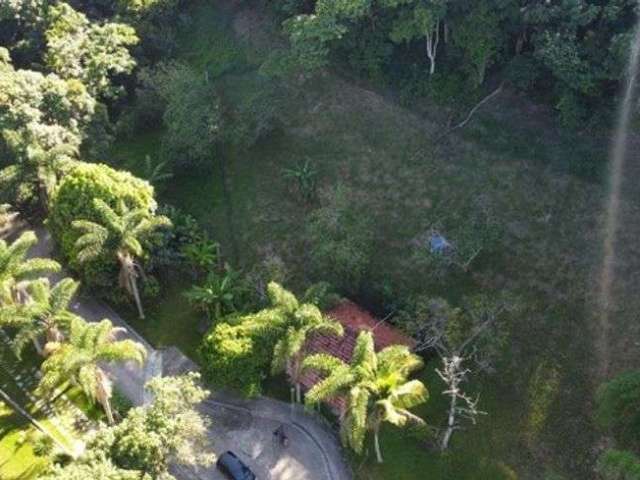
x=121, y=234
x=17, y=270
x=80, y=359
x=41, y=110
x=44, y=314
x=375, y=386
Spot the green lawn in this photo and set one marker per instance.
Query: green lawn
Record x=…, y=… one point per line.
x=17, y=458
x=404, y=182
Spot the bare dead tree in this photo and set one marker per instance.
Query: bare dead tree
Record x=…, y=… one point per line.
x=461, y=405
x=433, y=38
x=433, y=333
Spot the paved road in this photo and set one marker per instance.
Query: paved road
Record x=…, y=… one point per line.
x=244, y=426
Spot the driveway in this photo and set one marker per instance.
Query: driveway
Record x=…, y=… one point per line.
x=251, y=438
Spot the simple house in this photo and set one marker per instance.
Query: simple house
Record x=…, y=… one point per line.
x=354, y=319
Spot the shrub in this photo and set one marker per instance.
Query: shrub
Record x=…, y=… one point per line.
x=618, y=465
x=237, y=356
x=169, y=249
x=618, y=406
x=73, y=199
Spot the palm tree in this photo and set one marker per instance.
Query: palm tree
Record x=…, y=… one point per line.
x=122, y=230
x=375, y=386
x=45, y=313
x=16, y=270
x=80, y=358
x=288, y=352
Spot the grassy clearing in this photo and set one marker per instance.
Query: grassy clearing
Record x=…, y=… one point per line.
x=404, y=182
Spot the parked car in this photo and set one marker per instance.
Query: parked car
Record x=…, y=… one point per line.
x=235, y=468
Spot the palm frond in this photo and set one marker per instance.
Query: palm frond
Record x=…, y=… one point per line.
x=409, y=394
x=35, y=267
x=364, y=353
x=109, y=216
x=62, y=294
x=122, y=351
x=335, y=384
x=354, y=427
x=398, y=358
x=323, y=363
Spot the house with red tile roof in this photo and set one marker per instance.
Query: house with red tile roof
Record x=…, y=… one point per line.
x=354, y=319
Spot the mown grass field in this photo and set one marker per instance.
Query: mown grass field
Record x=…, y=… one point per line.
x=538, y=404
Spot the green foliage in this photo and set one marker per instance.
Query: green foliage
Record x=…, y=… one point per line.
x=341, y=239
x=46, y=314
x=167, y=431
x=234, y=358
x=304, y=178
x=219, y=295
x=86, y=51
x=310, y=37
x=192, y=116
x=74, y=199
x=572, y=48
x=322, y=295
x=202, y=255
x=16, y=270
x=185, y=244
x=98, y=469
x=618, y=407
x=121, y=233
x=39, y=110
x=155, y=172
x=80, y=358
x=618, y=465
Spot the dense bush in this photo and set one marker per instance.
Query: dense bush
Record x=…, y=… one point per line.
x=618, y=465
x=618, y=406
x=73, y=200
x=235, y=357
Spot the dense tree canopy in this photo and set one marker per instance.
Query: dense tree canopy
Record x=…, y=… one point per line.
x=573, y=50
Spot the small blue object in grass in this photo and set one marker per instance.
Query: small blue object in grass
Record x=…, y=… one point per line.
x=439, y=244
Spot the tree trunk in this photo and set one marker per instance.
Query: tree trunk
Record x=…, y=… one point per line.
x=36, y=343
x=298, y=393
x=136, y=295
x=451, y=422
x=128, y=279
x=376, y=443
x=103, y=394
